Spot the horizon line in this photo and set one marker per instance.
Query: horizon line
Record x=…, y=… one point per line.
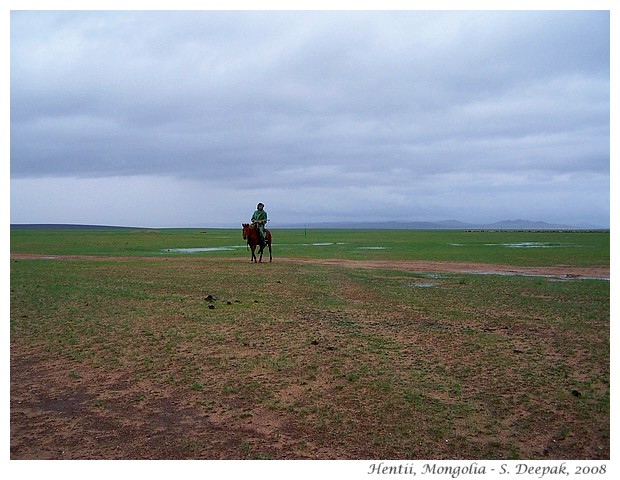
x=344, y=225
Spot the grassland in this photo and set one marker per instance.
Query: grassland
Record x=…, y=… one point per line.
x=124, y=346
x=578, y=249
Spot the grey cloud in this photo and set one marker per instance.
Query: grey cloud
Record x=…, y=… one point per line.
x=327, y=99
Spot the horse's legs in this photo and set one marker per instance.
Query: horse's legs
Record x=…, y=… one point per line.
x=270, y=251
x=261, y=253
x=253, y=259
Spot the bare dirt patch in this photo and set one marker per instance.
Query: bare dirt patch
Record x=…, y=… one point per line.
x=565, y=271
x=100, y=414
x=305, y=384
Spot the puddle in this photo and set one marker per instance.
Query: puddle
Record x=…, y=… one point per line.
x=525, y=245
x=456, y=244
x=199, y=250
x=550, y=277
x=371, y=248
x=531, y=245
x=321, y=244
x=423, y=285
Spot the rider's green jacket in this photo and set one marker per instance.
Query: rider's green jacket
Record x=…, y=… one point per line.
x=259, y=217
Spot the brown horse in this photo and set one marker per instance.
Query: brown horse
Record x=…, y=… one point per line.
x=253, y=238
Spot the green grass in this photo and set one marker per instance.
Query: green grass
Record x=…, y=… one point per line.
x=550, y=248
x=376, y=363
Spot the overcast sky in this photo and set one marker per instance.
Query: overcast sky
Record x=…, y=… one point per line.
x=188, y=119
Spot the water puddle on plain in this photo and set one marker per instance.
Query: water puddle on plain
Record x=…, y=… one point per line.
x=550, y=277
x=321, y=244
x=526, y=245
x=199, y=250
x=424, y=285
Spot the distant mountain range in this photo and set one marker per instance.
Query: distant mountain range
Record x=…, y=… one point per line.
x=63, y=226
x=441, y=225
x=449, y=225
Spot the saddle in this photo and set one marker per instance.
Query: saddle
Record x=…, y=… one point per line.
x=261, y=241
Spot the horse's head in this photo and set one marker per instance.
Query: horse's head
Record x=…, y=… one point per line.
x=246, y=230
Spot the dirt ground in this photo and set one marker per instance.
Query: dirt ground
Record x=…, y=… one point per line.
x=53, y=418
x=563, y=271
x=566, y=271
x=54, y=415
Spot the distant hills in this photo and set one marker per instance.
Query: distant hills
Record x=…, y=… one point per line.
x=65, y=226
x=449, y=225
x=440, y=225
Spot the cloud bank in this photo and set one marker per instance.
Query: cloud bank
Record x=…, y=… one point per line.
x=168, y=118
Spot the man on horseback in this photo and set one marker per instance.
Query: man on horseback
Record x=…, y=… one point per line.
x=259, y=219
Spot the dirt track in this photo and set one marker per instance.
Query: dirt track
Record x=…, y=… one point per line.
x=563, y=271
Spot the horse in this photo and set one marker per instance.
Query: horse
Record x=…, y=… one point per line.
x=251, y=234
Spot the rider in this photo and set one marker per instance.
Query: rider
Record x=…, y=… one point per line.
x=259, y=219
